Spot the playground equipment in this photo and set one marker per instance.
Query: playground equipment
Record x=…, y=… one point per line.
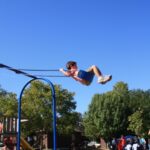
x=25, y=145
x=53, y=108
x=19, y=103
x=8, y=132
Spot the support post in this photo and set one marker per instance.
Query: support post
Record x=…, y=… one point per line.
x=53, y=109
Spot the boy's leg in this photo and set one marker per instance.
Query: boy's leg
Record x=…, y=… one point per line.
x=95, y=70
x=104, y=79
x=101, y=79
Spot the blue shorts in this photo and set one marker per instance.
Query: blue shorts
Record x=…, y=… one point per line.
x=88, y=76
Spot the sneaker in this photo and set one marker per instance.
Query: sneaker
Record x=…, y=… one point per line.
x=104, y=79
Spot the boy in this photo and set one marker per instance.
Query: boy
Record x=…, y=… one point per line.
x=84, y=77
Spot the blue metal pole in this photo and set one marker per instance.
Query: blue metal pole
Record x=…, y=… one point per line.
x=53, y=108
x=54, y=112
x=18, y=124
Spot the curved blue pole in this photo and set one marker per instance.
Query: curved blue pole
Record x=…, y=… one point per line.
x=53, y=108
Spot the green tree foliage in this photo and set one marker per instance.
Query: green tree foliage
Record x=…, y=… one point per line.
x=113, y=113
x=136, y=122
x=139, y=121
x=8, y=103
x=37, y=108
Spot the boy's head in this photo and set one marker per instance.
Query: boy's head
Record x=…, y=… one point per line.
x=70, y=64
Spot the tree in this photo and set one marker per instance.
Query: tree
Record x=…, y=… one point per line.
x=109, y=112
x=136, y=122
x=8, y=103
x=120, y=111
x=140, y=119
x=37, y=104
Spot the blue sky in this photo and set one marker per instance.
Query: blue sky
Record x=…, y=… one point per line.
x=45, y=34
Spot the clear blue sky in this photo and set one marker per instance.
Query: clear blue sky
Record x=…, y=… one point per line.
x=45, y=34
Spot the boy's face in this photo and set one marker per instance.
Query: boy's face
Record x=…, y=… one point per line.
x=73, y=67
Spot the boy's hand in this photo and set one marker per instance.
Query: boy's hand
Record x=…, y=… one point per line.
x=61, y=69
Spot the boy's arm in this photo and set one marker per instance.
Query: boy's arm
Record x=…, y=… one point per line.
x=66, y=73
x=79, y=80
x=76, y=78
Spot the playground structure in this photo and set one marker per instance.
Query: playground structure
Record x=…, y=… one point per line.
x=8, y=131
x=18, y=129
x=25, y=144
x=8, y=134
x=9, y=125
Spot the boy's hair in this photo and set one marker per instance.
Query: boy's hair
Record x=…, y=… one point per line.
x=70, y=64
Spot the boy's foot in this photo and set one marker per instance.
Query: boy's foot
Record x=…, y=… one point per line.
x=104, y=79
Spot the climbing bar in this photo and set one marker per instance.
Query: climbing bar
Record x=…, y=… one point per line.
x=50, y=76
x=17, y=71
x=20, y=71
x=39, y=69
